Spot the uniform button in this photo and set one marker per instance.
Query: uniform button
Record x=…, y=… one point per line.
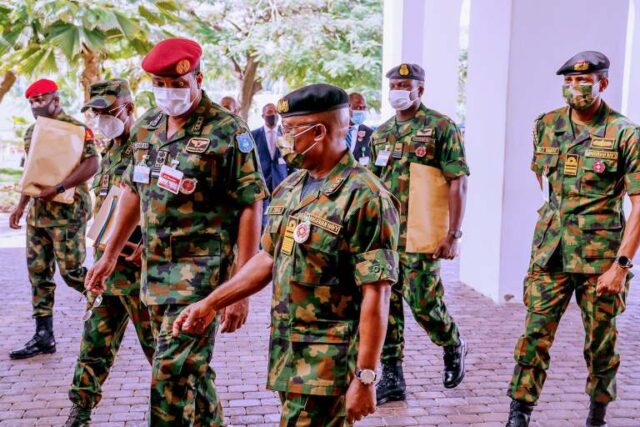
x=376, y=269
x=390, y=267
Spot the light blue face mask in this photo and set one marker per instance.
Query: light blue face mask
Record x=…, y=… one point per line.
x=358, y=117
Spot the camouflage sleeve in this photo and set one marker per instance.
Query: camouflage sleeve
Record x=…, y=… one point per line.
x=452, y=159
x=246, y=183
x=266, y=242
x=373, y=155
x=537, y=127
x=27, y=139
x=89, y=149
x=631, y=159
x=373, y=232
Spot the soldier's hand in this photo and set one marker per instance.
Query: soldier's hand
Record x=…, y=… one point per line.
x=234, y=316
x=194, y=319
x=98, y=274
x=136, y=256
x=360, y=400
x=612, y=281
x=14, y=218
x=447, y=248
x=47, y=193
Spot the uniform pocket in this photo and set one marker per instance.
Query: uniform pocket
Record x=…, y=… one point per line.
x=601, y=235
x=546, y=215
x=196, y=260
x=599, y=175
x=321, y=353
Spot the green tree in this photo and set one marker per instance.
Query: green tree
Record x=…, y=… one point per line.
x=257, y=42
x=64, y=36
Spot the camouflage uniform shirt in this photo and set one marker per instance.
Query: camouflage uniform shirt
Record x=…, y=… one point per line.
x=316, y=284
x=588, y=173
x=189, y=237
x=429, y=138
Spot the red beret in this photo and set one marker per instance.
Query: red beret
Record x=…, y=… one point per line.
x=40, y=87
x=172, y=57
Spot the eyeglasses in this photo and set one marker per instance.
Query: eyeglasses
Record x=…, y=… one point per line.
x=94, y=304
x=288, y=129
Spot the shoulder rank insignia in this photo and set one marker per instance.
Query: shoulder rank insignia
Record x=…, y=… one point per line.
x=197, y=145
x=245, y=143
x=153, y=123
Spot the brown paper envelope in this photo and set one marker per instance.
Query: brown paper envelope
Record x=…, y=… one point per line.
x=428, y=216
x=55, y=151
x=102, y=226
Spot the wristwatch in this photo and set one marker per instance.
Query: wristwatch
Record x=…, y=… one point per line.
x=366, y=376
x=456, y=234
x=60, y=189
x=624, y=262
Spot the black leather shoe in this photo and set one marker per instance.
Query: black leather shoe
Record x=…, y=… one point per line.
x=79, y=417
x=454, y=364
x=597, y=412
x=391, y=386
x=519, y=414
x=43, y=342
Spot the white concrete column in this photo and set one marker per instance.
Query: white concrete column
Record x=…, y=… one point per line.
x=424, y=32
x=515, y=48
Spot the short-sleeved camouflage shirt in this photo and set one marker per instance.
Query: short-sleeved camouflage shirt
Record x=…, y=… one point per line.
x=588, y=174
x=115, y=160
x=429, y=138
x=189, y=236
x=54, y=214
x=352, y=239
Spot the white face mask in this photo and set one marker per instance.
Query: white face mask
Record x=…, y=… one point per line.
x=173, y=101
x=109, y=126
x=400, y=100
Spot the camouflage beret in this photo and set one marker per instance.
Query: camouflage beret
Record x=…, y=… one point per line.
x=103, y=94
x=406, y=71
x=585, y=62
x=312, y=99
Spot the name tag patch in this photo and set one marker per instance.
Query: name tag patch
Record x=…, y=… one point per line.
x=329, y=226
x=548, y=150
x=275, y=210
x=602, y=154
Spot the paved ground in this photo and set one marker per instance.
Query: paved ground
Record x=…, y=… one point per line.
x=34, y=392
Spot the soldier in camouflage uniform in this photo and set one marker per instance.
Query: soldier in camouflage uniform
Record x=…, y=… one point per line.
x=586, y=156
x=113, y=109
x=196, y=181
x=330, y=248
x=55, y=231
x=422, y=136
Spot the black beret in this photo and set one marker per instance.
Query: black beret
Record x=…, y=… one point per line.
x=585, y=62
x=312, y=99
x=406, y=71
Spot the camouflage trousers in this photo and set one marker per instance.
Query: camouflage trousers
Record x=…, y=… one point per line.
x=546, y=296
x=420, y=284
x=305, y=410
x=101, y=339
x=45, y=246
x=183, y=392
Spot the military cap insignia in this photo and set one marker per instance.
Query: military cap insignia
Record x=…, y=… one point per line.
x=245, y=144
x=404, y=70
x=197, y=145
x=283, y=106
x=581, y=66
x=183, y=66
